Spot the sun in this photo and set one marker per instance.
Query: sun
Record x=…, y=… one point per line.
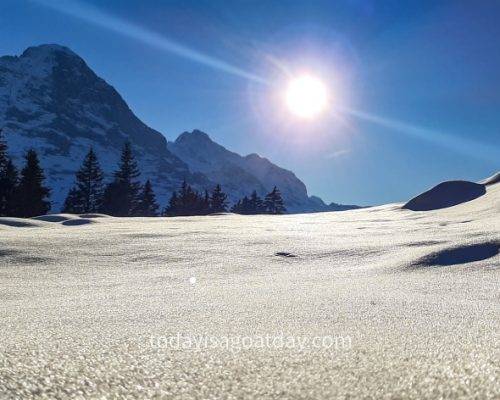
x=306, y=96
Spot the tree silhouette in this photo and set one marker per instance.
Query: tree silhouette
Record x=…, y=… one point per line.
x=252, y=205
x=73, y=202
x=188, y=201
x=87, y=195
x=121, y=195
x=31, y=196
x=205, y=204
x=255, y=204
x=4, y=159
x=146, y=205
x=173, y=206
x=8, y=180
x=237, y=207
x=218, y=200
x=245, y=206
x=274, y=202
x=3, y=150
x=184, y=203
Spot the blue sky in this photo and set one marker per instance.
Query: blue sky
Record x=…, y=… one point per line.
x=416, y=84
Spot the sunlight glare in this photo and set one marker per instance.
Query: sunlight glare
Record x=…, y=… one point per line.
x=306, y=96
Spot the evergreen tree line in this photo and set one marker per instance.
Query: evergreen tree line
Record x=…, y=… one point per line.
x=188, y=201
x=271, y=204
x=24, y=194
x=124, y=196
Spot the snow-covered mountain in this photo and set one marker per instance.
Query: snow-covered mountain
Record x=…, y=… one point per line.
x=50, y=100
x=239, y=175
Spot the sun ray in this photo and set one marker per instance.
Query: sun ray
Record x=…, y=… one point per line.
x=455, y=143
x=104, y=20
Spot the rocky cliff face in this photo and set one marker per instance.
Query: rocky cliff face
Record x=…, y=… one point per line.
x=52, y=101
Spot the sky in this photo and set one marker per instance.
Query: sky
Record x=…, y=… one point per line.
x=414, y=85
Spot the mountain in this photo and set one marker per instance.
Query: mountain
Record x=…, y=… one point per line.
x=239, y=175
x=50, y=100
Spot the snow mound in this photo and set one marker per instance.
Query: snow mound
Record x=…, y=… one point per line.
x=491, y=180
x=461, y=254
x=55, y=217
x=44, y=220
x=77, y=221
x=19, y=222
x=94, y=215
x=216, y=214
x=446, y=194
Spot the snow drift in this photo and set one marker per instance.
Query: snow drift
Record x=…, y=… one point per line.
x=446, y=194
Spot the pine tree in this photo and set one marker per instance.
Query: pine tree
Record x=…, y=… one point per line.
x=147, y=205
x=274, y=202
x=205, y=204
x=8, y=180
x=252, y=205
x=3, y=151
x=4, y=159
x=236, y=208
x=121, y=195
x=218, y=200
x=246, y=207
x=185, y=199
x=173, y=206
x=87, y=195
x=255, y=204
x=242, y=206
x=31, y=196
x=193, y=202
x=11, y=182
x=177, y=204
x=73, y=202
x=189, y=201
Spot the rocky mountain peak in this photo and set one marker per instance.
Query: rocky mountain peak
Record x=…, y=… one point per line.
x=44, y=51
x=195, y=136
x=50, y=99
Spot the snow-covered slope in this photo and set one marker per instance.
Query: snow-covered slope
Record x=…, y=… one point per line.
x=241, y=175
x=491, y=180
x=52, y=101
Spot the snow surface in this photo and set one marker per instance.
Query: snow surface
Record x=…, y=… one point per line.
x=417, y=293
